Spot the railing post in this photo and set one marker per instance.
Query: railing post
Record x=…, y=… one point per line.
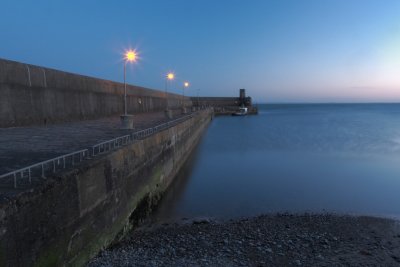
x=15, y=180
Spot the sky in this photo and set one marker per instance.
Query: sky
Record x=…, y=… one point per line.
x=278, y=50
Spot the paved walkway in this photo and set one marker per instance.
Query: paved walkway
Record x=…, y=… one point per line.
x=24, y=146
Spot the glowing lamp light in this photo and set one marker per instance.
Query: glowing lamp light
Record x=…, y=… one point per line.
x=170, y=76
x=131, y=55
x=186, y=84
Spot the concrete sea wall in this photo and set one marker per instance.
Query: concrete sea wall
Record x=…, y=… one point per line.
x=220, y=102
x=75, y=214
x=33, y=95
x=225, y=105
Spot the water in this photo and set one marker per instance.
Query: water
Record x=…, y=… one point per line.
x=295, y=158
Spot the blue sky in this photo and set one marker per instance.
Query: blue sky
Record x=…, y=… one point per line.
x=280, y=51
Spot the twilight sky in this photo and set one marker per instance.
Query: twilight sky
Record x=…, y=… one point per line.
x=279, y=50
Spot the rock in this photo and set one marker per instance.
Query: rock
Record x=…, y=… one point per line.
x=264, y=241
x=364, y=252
x=396, y=258
x=202, y=221
x=320, y=257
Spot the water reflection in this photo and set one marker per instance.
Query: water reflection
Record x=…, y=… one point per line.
x=174, y=194
x=341, y=158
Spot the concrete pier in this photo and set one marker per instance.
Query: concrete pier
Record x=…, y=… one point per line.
x=24, y=146
x=66, y=211
x=226, y=105
x=70, y=216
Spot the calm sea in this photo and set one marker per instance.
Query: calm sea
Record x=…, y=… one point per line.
x=342, y=158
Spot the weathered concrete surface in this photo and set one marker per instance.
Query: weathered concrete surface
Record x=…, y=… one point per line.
x=220, y=101
x=33, y=95
x=23, y=146
x=69, y=218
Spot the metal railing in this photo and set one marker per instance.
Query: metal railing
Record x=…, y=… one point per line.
x=42, y=169
x=112, y=144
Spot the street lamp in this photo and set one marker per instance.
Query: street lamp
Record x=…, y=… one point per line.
x=169, y=77
x=127, y=120
x=130, y=56
x=185, y=85
x=198, y=102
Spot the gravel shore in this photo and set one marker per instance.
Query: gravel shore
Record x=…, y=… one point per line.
x=268, y=240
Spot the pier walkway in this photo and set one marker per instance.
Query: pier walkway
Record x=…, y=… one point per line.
x=24, y=146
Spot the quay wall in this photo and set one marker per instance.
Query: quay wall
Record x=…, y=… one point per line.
x=34, y=95
x=215, y=101
x=67, y=220
x=252, y=110
x=224, y=105
x=220, y=102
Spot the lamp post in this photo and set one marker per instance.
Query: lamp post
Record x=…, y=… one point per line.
x=198, y=102
x=127, y=120
x=185, y=85
x=169, y=77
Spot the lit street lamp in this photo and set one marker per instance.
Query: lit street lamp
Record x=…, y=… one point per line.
x=130, y=56
x=169, y=77
x=127, y=120
x=185, y=85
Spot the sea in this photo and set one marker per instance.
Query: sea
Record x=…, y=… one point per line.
x=296, y=158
